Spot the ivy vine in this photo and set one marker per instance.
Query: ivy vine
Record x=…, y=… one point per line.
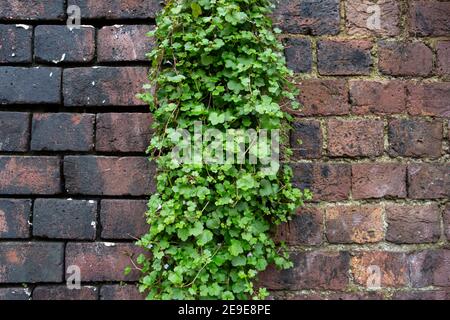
x=217, y=63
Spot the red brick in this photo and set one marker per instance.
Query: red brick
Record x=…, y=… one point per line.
x=60, y=44
x=112, y=176
x=355, y=137
x=298, y=54
x=429, y=18
x=429, y=181
x=413, y=223
x=344, y=57
x=378, y=97
x=103, y=261
x=306, y=227
x=355, y=296
x=29, y=175
x=117, y=9
x=14, y=218
x=360, y=12
x=422, y=295
x=15, y=43
x=327, y=181
x=120, y=292
x=123, y=219
x=63, y=132
x=104, y=86
x=123, y=43
x=64, y=293
x=306, y=139
x=14, y=131
x=32, y=10
x=429, y=99
x=354, y=224
x=312, y=270
x=447, y=220
x=31, y=262
x=64, y=219
x=430, y=268
x=14, y=294
x=405, y=58
x=123, y=132
x=378, y=180
x=393, y=267
x=443, y=58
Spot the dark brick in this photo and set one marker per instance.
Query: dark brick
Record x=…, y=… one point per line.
x=103, y=261
x=123, y=219
x=120, y=292
x=32, y=10
x=112, y=176
x=415, y=138
x=306, y=139
x=429, y=99
x=31, y=262
x=63, y=132
x=64, y=293
x=59, y=44
x=298, y=54
x=14, y=294
x=123, y=43
x=349, y=57
x=15, y=43
x=308, y=17
x=14, y=218
x=14, y=131
x=447, y=220
x=104, y=86
x=355, y=137
x=64, y=219
x=422, y=295
x=429, y=181
x=123, y=132
x=41, y=85
x=117, y=9
x=443, y=58
x=29, y=175
x=405, y=58
x=430, y=268
x=429, y=18
x=378, y=180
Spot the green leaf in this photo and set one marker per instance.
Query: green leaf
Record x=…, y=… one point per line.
x=235, y=248
x=205, y=237
x=196, y=9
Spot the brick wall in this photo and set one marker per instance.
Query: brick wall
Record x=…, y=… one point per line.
x=375, y=129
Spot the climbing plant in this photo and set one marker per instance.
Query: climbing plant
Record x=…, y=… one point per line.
x=217, y=64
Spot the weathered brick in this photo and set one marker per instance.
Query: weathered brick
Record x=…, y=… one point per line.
x=120, y=292
x=14, y=294
x=112, y=176
x=429, y=181
x=413, y=223
x=393, y=267
x=327, y=181
x=32, y=10
x=354, y=224
x=14, y=131
x=415, y=138
x=405, y=58
x=29, y=175
x=429, y=99
x=31, y=262
x=361, y=15
x=14, y=218
x=64, y=293
x=64, y=219
x=60, y=44
x=344, y=57
x=15, y=43
x=308, y=17
x=123, y=43
x=443, y=58
x=298, y=54
x=354, y=296
x=123, y=132
x=378, y=180
x=312, y=270
x=103, y=261
x=63, y=132
x=40, y=85
x=429, y=18
x=430, y=268
x=306, y=139
x=447, y=220
x=306, y=227
x=123, y=219
x=323, y=97
x=422, y=295
x=377, y=97
x=103, y=86
x=355, y=137
x=118, y=9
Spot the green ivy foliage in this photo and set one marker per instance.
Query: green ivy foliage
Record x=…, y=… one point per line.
x=217, y=62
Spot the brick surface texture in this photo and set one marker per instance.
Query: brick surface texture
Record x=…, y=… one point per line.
x=371, y=141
